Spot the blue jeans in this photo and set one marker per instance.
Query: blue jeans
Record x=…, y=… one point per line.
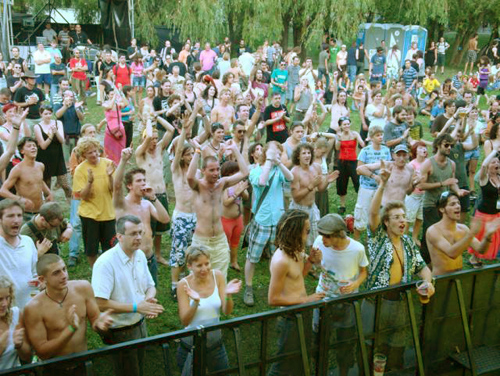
x=351, y=72
x=76, y=223
x=216, y=359
x=321, y=73
x=54, y=89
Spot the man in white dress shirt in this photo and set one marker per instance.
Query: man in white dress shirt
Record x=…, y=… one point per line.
x=122, y=282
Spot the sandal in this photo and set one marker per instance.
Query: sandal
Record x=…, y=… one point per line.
x=475, y=263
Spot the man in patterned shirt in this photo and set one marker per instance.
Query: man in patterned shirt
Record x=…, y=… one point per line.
x=394, y=259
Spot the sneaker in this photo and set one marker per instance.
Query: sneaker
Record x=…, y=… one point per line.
x=72, y=262
x=341, y=210
x=248, y=297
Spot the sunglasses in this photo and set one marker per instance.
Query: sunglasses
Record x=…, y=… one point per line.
x=447, y=146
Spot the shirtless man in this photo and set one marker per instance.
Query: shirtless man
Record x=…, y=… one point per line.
x=208, y=204
x=243, y=131
x=224, y=113
x=448, y=239
x=149, y=157
x=307, y=179
x=471, y=54
x=288, y=267
x=27, y=178
x=403, y=179
x=55, y=319
x=133, y=204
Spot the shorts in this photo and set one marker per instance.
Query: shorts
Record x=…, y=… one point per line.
x=392, y=73
x=260, y=237
x=218, y=248
x=362, y=208
x=471, y=56
x=159, y=228
x=290, y=90
x=472, y=155
x=153, y=268
x=139, y=81
x=44, y=78
x=233, y=227
x=95, y=232
x=414, y=207
x=183, y=225
x=440, y=60
x=314, y=217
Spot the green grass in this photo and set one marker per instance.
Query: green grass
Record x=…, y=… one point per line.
x=169, y=320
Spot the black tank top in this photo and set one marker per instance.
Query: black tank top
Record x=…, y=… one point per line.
x=488, y=200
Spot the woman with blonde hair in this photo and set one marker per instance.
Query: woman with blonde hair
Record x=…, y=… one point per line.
x=14, y=344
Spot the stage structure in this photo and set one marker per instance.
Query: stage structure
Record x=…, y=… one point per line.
x=6, y=37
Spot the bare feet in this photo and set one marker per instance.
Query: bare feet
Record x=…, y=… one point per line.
x=236, y=267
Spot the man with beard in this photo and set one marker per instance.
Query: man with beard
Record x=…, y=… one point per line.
x=259, y=88
x=397, y=132
x=31, y=97
x=438, y=176
x=223, y=113
x=448, y=239
x=441, y=120
x=208, y=204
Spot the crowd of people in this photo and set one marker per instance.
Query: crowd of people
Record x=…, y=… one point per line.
x=243, y=136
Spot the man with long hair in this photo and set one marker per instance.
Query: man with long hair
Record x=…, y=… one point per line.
x=289, y=265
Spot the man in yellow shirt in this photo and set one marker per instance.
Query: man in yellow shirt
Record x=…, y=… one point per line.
x=431, y=83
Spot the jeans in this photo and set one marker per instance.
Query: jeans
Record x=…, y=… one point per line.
x=351, y=72
x=54, y=89
x=321, y=73
x=216, y=358
x=76, y=223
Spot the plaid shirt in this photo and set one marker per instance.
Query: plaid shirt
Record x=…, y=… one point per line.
x=380, y=255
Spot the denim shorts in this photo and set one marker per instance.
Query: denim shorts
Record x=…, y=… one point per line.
x=44, y=78
x=139, y=81
x=471, y=154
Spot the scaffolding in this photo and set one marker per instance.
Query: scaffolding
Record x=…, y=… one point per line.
x=6, y=36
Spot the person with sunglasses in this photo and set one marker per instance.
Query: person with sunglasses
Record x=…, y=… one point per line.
x=394, y=259
x=279, y=79
x=438, y=175
x=448, y=239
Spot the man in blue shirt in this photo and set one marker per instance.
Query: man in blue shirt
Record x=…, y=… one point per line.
x=378, y=66
x=271, y=173
x=409, y=76
x=279, y=79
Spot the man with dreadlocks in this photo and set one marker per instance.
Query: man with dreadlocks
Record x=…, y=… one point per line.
x=289, y=265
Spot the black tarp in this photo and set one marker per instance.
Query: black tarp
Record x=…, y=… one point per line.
x=114, y=22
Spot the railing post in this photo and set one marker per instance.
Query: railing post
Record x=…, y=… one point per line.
x=465, y=325
x=323, y=342
x=89, y=368
x=415, y=333
x=166, y=358
x=199, y=358
x=239, y=355
x=263, y=348
x=303, y=346
x=361, y=338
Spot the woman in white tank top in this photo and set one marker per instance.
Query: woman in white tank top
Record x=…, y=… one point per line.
x=201, y=296
x=13, y=341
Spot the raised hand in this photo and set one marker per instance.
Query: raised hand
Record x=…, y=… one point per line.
x=191, y=293
x=90, y=177
x=126, y=155
x=385, y=172
x=72, y=317
x=333, y=176
x=315, y=256
x=18, y=337
x=240, y=187
x=491, y=227
x=43, y=246
x=19, y=118
x=148, y=192
x=475, y=225
x=104, y=321
x=110, y=168
x=233, y=287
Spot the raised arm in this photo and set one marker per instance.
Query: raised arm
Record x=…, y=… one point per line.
x=193, y=167
x=118, y=198
x=483, y=171
x=144, y=146
x=17, y=122
x=242, y=173
x=374, y=215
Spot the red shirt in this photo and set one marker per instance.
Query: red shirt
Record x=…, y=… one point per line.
x=348, y=150
x=122, y=75
x=78, y=63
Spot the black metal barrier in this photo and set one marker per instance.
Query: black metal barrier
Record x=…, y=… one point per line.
x=456, y=333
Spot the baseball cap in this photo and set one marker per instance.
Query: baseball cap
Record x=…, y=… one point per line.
x=331, y=223
x=400, y=147
x=7, y=107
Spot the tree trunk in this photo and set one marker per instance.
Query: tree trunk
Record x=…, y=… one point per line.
x=457, y=55
x=284, y=35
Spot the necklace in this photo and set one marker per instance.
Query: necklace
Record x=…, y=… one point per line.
x=62, y=301
x=213, y=147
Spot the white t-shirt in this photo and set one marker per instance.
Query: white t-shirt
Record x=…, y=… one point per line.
x=441, y=47
x=247, y=61
x=19, y=264
x=339, y=265
x=394, y=59
x=118, y=277
x=369, y=113
x=42, y=55
x=50, y=34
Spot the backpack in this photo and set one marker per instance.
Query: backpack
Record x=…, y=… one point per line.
x=115, y=69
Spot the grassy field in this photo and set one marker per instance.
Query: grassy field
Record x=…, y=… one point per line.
x=169, y=320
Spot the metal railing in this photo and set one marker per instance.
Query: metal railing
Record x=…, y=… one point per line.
x=457, y=329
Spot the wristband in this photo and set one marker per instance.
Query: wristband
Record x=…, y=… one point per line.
x=228, y=297
x=134, y=307
x=71, y=328
x=197, y=151
x=16, y=128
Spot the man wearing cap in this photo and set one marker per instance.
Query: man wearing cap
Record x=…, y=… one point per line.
x=403, y=180
x=448, y=239
x=378, y=66
x=31, y=97
x=343, y=270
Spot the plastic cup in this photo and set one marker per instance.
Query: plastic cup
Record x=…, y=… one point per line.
x=423, y=292
x=379, y=362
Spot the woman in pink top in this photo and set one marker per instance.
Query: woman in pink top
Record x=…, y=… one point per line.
x=139, y=80
x=414, y=202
